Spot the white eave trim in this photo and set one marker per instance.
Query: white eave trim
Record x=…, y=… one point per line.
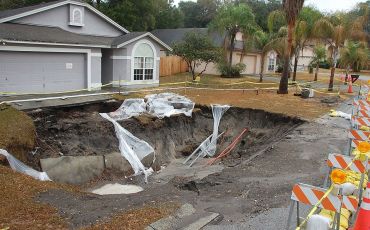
x=41, y=9
x=144, y=35
x=51, y=44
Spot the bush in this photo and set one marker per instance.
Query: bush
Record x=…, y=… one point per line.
x=324, y=65
x=231, y=71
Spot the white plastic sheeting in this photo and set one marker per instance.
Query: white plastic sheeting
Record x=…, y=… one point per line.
x=159, y=105
x=317, y=222
x=168, y=104
x=131, y=148
x=217, y=111
x=129, y=108
x=18, y=166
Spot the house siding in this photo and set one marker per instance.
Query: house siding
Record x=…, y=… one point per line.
x=60, y=17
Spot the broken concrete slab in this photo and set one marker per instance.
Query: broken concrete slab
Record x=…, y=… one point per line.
x=172, y=221
x=73, y=170
x=115, y=161
x=201, y=222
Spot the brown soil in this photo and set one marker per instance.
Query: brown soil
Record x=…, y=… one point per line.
x=19, y=210
x=81, y=130
x=17, y=132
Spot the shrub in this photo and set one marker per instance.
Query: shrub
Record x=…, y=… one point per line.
x=324, y=65
x=231, y=71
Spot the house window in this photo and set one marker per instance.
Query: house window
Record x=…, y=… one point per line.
x=271, y=64
x=77, y=16
x=143, y=63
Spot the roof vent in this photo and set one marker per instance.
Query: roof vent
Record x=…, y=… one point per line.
x=76, y=15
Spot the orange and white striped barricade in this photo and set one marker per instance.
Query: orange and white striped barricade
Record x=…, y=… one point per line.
x=360, y=105
x=359, y=135
x=340, y=161
x=363, y=92
x=363, y=111
x=311, y=195
x=357, y=122
x=361, y=102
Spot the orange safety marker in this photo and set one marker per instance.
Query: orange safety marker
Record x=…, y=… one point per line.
x=363, y=112
x=350, y=90
x=363, y=215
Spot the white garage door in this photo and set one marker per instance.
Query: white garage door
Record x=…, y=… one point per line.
x=35, y=72
x=250, y=62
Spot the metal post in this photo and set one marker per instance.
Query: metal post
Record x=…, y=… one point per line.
x=298, y=221
x=326, y=182
x=340, y=210
x=349, y=147
x=291, y=209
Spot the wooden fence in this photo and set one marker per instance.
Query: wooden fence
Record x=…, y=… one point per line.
x=172, y=65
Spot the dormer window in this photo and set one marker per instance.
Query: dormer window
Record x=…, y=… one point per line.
x=76, y=17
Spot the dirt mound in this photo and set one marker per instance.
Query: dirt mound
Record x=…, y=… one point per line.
x=81, y=131
x=17, y=133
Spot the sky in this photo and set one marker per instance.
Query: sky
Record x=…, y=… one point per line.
x=323, y=5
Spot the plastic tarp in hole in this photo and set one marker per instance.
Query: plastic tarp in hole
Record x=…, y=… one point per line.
x=159, y=105
x=209, y=147
x=129, y=108
x=18, y=166
x=168, y=104
x=131, y=148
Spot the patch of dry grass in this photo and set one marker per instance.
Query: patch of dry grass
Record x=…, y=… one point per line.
x=138, y=218
x=17, y=131
x=19, y=210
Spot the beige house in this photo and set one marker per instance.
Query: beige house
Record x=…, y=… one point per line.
x=252, y=59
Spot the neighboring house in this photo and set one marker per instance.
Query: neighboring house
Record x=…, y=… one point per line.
x=252, y=58
x=69, y=45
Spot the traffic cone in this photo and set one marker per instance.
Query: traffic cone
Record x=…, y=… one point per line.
x=350, y=90
x=363, y=216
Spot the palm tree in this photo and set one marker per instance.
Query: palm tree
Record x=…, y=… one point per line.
x=291, y=10
x=303, y=32
x=354, y=55
x=335, y=31
x=232, y=20
x=262, y=41
x=319, y=55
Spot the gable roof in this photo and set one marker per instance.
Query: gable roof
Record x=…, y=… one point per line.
x=21, y=33
x=9, y=15
x=53, y=35
x=133, y=36
x=171, y=36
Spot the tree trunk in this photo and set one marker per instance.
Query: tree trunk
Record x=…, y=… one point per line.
x=231, y=49
x=295, y=65
x=262, y=66
x=332, y=71
x=331, y=82
x=316, y=72
x=283, y=86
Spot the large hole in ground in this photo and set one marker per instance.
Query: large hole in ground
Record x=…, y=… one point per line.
x=82, y=135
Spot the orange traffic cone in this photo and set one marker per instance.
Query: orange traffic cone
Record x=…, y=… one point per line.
x=363, y=217
x=350, y=90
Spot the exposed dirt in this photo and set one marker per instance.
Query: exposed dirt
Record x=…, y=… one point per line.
x=17, y=133
x=82, y=131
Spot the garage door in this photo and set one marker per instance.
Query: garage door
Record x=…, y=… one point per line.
x=34, y=72
x=250, y=62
